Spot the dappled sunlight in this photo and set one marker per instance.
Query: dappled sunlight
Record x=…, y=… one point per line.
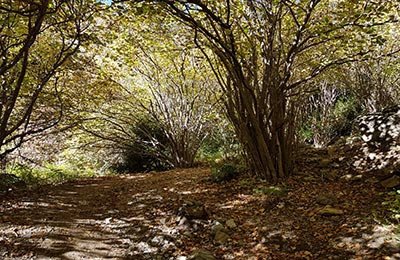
x=381, y=236
x=240, y=201
x=135, y=219
x=376, y=160
x=133, y=176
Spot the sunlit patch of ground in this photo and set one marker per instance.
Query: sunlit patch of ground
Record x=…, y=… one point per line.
x=137, y=217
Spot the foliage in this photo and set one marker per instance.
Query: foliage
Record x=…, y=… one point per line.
x=36, y=40
x=143, y=154
x=327, y=119
x=221, y=145
x=264, y=53
x=393, y=204
x=141, y=84
x=225, y=172
x=374, y=84
x=48, y=174
x=10, y=181
x=158, y=80
x=278, y=191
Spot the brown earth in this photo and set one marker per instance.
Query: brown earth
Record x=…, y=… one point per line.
x=327, y=210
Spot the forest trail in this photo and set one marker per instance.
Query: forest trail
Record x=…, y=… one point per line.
x=137, y=216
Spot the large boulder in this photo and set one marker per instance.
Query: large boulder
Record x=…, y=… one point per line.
x=380, y=130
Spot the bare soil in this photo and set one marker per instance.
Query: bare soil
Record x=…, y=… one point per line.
x=137, y=216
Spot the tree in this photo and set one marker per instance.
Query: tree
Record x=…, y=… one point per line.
x=180, y=103
x=268, y=50
x=163, y=100
x=36, y=39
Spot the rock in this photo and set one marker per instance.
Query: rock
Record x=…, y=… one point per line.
x=326, y=199
x=230, y=224
x=325, y=163
x=217, y=227
x=157, y=241
x=391, y=182
x=372, y=180
x=330, y=211
x=202, y=254
x=381, y=129
x=221, y=238
x=331, y=175
x=193, y=210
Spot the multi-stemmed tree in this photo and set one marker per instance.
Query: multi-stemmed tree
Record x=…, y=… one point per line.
x=36, y=39
x=267, y=51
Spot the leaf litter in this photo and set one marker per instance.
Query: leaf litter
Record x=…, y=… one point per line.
x=319, y=213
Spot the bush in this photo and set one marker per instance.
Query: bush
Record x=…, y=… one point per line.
x=221, y=146
x=225, y=172
x=393, y=205
x=10, y=181
x=48, y=174
x=145, y=152
x=324, y=123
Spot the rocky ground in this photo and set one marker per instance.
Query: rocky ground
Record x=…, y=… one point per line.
x=331, y=209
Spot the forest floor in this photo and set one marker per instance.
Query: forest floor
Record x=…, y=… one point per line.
x=328, y=210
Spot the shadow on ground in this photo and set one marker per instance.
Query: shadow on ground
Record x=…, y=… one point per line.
x=136, y=217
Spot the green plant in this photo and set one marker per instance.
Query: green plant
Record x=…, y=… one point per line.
x=247, y=182
x=148, y=152
x=220, y=146
x=48, y=174
x=393, y=204
x=225, y=172
x=10, y=181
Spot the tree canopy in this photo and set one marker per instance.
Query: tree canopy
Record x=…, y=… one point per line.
x=110, y=69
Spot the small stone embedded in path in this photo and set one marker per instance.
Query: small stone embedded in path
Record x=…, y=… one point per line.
x=217, y=227
x=202, y=254
x=330, y=211
x=391, y=182
x=230, y=224
x=221, y=238
x=193, y=210
x=327, y=199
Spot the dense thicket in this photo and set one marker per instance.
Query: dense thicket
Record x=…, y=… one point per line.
x=159, y=84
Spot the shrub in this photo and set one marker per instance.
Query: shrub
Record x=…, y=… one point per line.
x=221, y=146
x=10, y=181
x=48, y=174
x=225, y=172
x=393, y=205
x=147, y=152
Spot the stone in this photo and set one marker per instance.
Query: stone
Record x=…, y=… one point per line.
x=217, y=227
x=331, y=175
x=325, y=163
x=391, y=182
x=330, y=211
x=230, y=224
x=193, y=210
x=202, y=254
x=380, y=129
x=326, y=199
x=221, y=238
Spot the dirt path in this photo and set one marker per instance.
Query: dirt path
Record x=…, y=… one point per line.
x=136, y=217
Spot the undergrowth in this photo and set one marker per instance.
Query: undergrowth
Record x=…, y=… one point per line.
x=48, y=174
